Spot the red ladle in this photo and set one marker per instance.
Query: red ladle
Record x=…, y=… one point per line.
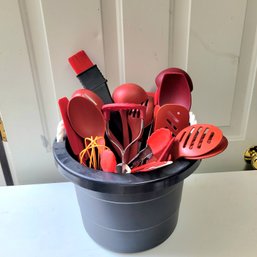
x=135, y=94
x=129, y=93
x=174, y=89
x=159, y=77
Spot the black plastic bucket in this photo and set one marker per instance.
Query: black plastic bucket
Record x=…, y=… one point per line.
x=126, y=212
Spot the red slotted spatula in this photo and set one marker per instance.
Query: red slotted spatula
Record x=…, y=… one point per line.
x=196, y=140
x=173, y=117
x=217, y=150
x=75, y=140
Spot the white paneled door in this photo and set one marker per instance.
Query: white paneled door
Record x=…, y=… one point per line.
x=130, y=41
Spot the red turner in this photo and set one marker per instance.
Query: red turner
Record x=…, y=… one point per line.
x=75, y=140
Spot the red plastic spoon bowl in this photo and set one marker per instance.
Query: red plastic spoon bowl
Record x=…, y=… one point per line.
x=90, y=95
x=159, y=77
x=129, y=93
x=85, y=117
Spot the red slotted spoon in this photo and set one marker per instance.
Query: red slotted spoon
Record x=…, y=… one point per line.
x=173, y=117
x=217, y=150
x=196, y=140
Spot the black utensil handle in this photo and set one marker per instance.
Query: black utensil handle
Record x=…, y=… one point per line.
x=93, y=80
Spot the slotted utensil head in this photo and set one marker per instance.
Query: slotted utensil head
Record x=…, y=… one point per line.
x=217, y=150
x=173, y=117
x=196, y=140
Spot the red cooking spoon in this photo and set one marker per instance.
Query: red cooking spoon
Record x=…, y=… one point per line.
x=90, y=95
x=217, y=150
x=196, y=140
x=85, y=117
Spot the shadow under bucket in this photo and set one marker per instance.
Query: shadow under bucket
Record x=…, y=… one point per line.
x=126, y=212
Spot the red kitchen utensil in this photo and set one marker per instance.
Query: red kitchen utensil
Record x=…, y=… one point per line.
x=129, y=93
x=85, y=117
x=149, y=104
x=88, y=121
x=152, y=94
x=196, y=140
x=135, y=120
x=93, y=97
x=75, y=140
x=107, y=110
x=217, y=150
x=159, y=77
x=133, y=93
x=173, y=117
x=156, y=144
x=108, y=161
x=150, y=166
x=174, y=89
x=166, y=156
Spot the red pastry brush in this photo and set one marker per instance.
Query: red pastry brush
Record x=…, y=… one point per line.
x=80, y=62
x=90, y=76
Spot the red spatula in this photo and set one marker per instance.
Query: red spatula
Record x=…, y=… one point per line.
x=173, y=117
x=108, y=161
x=156, y=144
x=196, y=140
x=217, y=150
x=75, y=140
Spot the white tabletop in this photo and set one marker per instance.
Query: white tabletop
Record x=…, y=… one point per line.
x=218, y=217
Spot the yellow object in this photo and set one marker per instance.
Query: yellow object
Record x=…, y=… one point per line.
x=2, y=131
x=92, y=152
x=250, y=156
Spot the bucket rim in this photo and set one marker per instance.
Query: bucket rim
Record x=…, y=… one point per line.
x=98, y=180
